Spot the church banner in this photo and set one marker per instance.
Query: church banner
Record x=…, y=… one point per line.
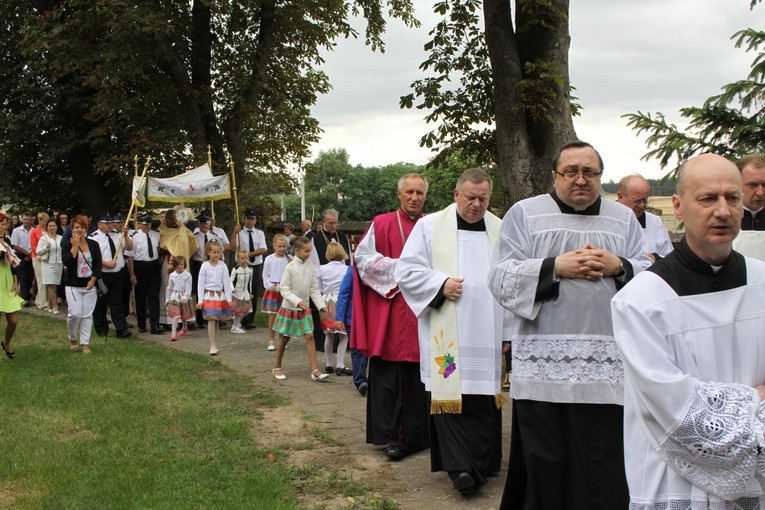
x=196, y=185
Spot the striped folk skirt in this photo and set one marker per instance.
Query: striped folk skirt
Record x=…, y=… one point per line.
x=271, y=302
x=293, y=323
x=241, y=307
x=214, y=306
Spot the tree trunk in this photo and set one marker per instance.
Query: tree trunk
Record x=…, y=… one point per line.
x=525, y=144
x=92, y=189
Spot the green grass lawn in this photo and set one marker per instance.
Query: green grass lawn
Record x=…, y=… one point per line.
x=134, y=425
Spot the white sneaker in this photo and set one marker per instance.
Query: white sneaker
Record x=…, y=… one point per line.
x=238, y=331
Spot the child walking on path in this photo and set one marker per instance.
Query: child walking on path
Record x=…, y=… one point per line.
x=178, y=304
x=241, y=277
x=294, y=318
x=273, y=269
x=330, y=276
x=214, y=287
x=343, y=309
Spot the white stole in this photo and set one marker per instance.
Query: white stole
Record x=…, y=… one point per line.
x=446, y=388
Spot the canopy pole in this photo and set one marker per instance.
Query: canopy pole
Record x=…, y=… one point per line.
x=132, y=204
x=209, y=164
x=236, y=201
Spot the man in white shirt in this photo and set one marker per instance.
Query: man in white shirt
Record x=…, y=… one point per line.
x=20, y=242
x=633, y=192
x=253, y=240
x=690, y=332
x=112, y=266
x=145, y=274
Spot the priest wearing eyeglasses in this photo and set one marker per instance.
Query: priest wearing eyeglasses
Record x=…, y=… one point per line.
x=633, y=192
x=561, y=257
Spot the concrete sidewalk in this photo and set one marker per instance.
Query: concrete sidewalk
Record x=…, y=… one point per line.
x=342, y=411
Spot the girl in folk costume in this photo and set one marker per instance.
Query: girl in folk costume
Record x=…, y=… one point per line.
x=273, y=269
x=178, y=297
x=330, y=277
x=241, y=278
x=294, y=318
x=214, y=286
x=10, y=302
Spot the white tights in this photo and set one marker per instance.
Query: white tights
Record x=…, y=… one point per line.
x=342, y=346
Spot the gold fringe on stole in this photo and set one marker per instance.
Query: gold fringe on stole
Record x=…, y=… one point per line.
x=446, y=407
x=499, y=400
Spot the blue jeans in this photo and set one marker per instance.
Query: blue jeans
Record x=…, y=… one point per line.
x=359, y=365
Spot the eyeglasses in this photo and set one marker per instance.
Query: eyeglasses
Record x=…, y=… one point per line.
x=639, y=201
x=573, y=175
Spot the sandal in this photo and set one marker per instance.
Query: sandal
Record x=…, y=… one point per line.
x=74, y=346
x=8, y=353
x=318, y=378
x=281, y=376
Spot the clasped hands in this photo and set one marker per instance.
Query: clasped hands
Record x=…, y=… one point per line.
x=587, y=263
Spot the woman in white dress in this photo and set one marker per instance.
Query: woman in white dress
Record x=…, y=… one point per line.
x=51, y=265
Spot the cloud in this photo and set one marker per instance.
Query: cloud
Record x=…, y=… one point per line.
x=625, y=56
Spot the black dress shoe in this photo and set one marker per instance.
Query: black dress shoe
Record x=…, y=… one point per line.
x=395, y=453
x=343, y=371
x=329, y=370
x=157, y=331
x=464, y=483
x=363, y=389
x=124, y=334
x=142, y=330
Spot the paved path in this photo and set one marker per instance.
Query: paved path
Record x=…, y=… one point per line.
x=339, y=407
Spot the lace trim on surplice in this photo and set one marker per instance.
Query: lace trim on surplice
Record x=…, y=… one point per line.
x=568, y=359
x=715, y=444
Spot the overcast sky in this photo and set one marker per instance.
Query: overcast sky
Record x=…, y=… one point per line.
x=648, y=55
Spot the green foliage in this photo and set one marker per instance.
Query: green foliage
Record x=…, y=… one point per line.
x=88, y=84
x=731, y=123
x=443, y=179
x=361, y=193
x=459, y=93
x=357, y=193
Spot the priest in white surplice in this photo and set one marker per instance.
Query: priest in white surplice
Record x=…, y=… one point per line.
x=561, y=258
x=442, y=275
x=691, y=330
x=633, y=192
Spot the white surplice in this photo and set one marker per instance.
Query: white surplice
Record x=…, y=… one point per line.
x=479, y=317
x=655, y=236
x=693, y=422
x=564, y=349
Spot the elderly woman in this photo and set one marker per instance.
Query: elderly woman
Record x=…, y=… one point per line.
x=82, y=258
x=51, y=264
x=10, y=301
